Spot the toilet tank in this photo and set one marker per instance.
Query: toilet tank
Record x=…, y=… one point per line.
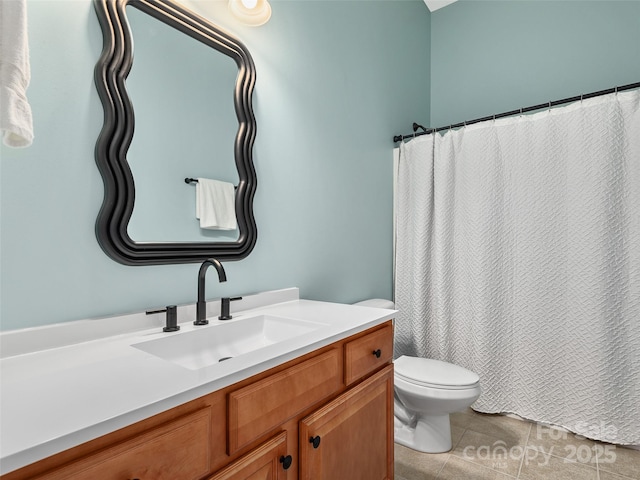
x=377, y=303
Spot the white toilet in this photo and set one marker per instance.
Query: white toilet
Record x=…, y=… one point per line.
x=426, y=392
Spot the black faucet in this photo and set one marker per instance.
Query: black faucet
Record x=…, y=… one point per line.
x=201, y=305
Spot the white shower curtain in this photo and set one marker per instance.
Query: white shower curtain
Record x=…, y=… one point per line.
x=518, y=257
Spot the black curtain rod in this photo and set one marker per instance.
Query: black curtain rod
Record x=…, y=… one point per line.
x=399, y=138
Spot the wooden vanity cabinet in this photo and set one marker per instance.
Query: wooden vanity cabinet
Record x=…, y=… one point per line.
x=259, y=428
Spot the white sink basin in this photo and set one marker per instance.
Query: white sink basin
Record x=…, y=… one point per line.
x=211, y=344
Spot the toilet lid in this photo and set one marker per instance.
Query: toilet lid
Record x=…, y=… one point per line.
x=434, y=373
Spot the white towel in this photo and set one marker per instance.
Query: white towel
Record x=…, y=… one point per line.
x=16, y=123
x=215, y=204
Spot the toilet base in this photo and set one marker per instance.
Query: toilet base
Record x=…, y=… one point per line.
x=432, y=434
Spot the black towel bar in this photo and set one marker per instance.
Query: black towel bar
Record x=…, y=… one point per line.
x=195, y=180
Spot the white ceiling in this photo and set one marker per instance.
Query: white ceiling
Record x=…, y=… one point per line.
x=434, y=5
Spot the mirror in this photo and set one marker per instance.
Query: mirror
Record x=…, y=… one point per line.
x=148, y=213
x=189, y=133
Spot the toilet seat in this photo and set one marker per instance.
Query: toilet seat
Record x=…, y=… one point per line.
x=436, y=374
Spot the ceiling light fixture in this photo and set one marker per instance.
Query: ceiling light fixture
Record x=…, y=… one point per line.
x=251, y=12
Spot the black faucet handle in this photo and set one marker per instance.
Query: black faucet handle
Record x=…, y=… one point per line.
x=172, y=319
x=225, y=303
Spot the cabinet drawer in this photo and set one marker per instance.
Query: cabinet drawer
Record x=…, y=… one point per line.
x=177, y=449
x=262, y=463
x=368, y=353
x=262, y=406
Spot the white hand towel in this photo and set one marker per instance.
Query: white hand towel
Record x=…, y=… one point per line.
x=16, y=123
x=215, y=204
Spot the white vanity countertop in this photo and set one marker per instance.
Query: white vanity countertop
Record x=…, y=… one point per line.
x=64, y=395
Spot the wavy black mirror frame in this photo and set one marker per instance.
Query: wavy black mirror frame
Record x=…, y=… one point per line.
x=117, y=132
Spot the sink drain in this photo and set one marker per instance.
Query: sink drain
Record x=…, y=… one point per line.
x=223, y=359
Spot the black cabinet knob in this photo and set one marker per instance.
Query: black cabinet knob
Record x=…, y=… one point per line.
x=286, y=461
x=377, y=353
x=315, y=441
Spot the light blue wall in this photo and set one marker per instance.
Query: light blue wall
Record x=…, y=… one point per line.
x=489, y=57
x=336, y=79
x=334, y=85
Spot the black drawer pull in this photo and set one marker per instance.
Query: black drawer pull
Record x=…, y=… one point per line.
x=315, y=441
x=377, y=353
x=286, y=461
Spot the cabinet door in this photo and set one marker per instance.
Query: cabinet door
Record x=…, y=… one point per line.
x=178, y=449
x=267, y=462
x=351, y=438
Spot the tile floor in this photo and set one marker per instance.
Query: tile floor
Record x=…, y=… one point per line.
x=497, y=447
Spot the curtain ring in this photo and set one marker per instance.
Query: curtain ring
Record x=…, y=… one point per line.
x=549, y=105
x=616, y=90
